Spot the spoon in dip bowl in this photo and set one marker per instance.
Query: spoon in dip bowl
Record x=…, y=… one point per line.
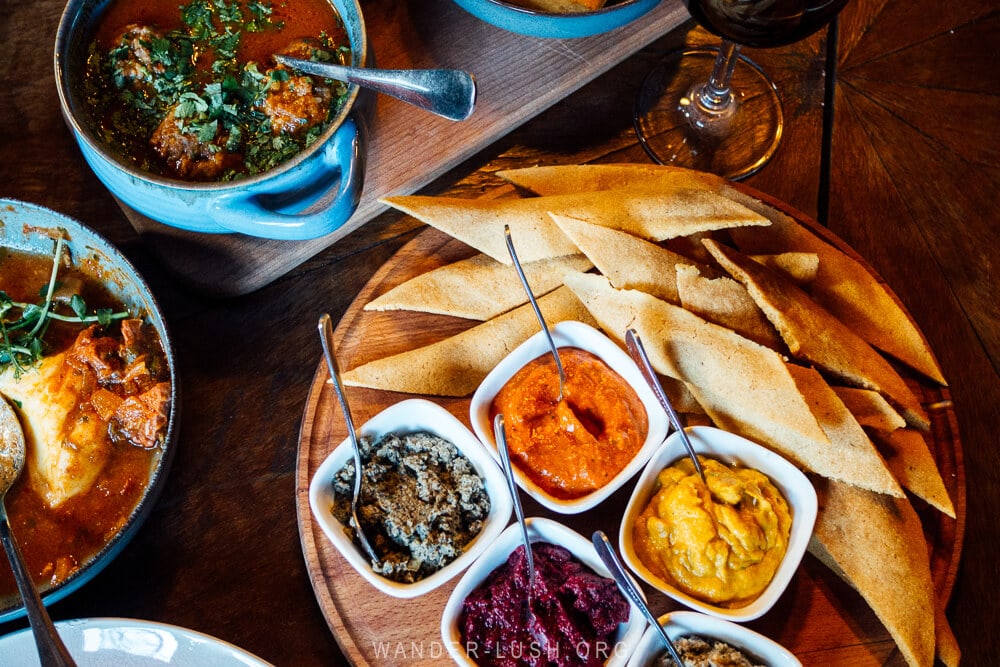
x=610, y=559
x=51, y=650
x=538, y=311
x=445, y=92
x=326, y=335
x=500, y=435
x=639, y=356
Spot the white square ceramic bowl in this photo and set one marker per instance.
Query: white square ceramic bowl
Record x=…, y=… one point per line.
x=583, y=336
x=539, y=530
x=411, y=416
x=687, y=623
x=733, y=449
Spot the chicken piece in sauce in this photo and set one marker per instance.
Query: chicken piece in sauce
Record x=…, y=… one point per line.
x=185, y=154
x=296, y=102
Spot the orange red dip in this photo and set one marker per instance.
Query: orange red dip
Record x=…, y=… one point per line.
x=575, y=446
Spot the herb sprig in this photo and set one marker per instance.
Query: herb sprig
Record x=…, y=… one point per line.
x=23, y=325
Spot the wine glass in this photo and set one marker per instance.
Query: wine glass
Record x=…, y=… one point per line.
x=714, y=109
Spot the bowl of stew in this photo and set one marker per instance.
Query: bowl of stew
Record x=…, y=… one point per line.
x=557, y=19
x=183, y=114
x=96, y=393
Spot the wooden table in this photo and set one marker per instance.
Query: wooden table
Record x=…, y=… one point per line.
x=891, y=142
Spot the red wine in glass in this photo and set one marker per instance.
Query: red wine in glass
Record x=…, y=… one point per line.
x=714, y=109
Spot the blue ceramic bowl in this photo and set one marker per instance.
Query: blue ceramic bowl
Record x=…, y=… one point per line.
x=31, y=228
x=536, y=23
x=268, y=205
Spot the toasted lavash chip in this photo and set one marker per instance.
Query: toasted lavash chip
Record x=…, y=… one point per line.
x=477, y=288
x=629, y=262
x=947, y=649
x=744, y=387
x=843, y=286
x=870, y=409
x=656, y=216
x=813, y=334
x=455, y=366
x=800, y=267
x=562, y=179
x=725, y=302
x=876, y=544
x=911, y=461
x=859, y=461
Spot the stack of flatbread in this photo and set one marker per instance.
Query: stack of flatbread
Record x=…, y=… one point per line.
x=755, y=324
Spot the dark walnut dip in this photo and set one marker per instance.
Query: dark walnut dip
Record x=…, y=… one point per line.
x=704, y=652
x=422, y=501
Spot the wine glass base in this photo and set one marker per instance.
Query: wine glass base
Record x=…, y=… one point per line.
x=664, y=124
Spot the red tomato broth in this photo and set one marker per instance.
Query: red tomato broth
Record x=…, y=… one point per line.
x=132, y=124
x=543, y=434
x=55, y=542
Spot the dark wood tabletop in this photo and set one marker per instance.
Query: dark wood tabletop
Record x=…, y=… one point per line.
x=891, y=142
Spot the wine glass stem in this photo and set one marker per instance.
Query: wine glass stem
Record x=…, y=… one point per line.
x=716, y=94
x=710, y=106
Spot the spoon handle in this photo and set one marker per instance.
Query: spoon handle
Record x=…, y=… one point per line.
x=610, y=559
x=500, y=434
x=51, y=650
x=446, y=92
x=638, y=354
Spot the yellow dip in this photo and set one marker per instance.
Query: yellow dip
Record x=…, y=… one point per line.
x=722, y=544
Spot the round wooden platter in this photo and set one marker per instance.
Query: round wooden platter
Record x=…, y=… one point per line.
x=819, y=618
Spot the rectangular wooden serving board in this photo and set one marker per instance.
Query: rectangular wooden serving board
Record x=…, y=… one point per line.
x=517, y=78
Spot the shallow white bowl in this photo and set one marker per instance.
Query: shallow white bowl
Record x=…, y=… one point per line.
x=539, y=530
x=687, y=623
x=411, y=416
x=733, y=449
x=583, y=336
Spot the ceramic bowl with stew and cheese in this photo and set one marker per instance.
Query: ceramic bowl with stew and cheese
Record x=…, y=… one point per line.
x=403, y=458
x=755, y=521
x=570, y=455
x=182, y=113
x=558, y=19
x=100, y=431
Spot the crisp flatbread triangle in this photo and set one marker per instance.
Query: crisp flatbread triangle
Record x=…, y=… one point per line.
x=477, y=288
x=655, y=216
x=629, y=262
x=457, y=365
x=870, y=409
x=562, y=179
x=801, y=267
x=910, y=459
x=876, y=544
x=852, y=449
x=812, y=333
x=844, y=287
x=744, y=387
x=725, y=302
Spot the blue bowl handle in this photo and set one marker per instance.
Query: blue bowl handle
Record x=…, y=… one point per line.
x=342, y=161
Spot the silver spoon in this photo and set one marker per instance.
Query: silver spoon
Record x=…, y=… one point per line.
x=610, y=559
x=326, y=335
x=51, y=650
x=446, y=92
x=500, y=435
x=538, y=311
x=638, y=354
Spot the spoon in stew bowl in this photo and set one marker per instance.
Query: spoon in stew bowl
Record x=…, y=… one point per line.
x=326, y=335
x=611, y=561
x=639, y=356
x=51, y=650
x=500, y=435
x=538, y=311
x=446, y=92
